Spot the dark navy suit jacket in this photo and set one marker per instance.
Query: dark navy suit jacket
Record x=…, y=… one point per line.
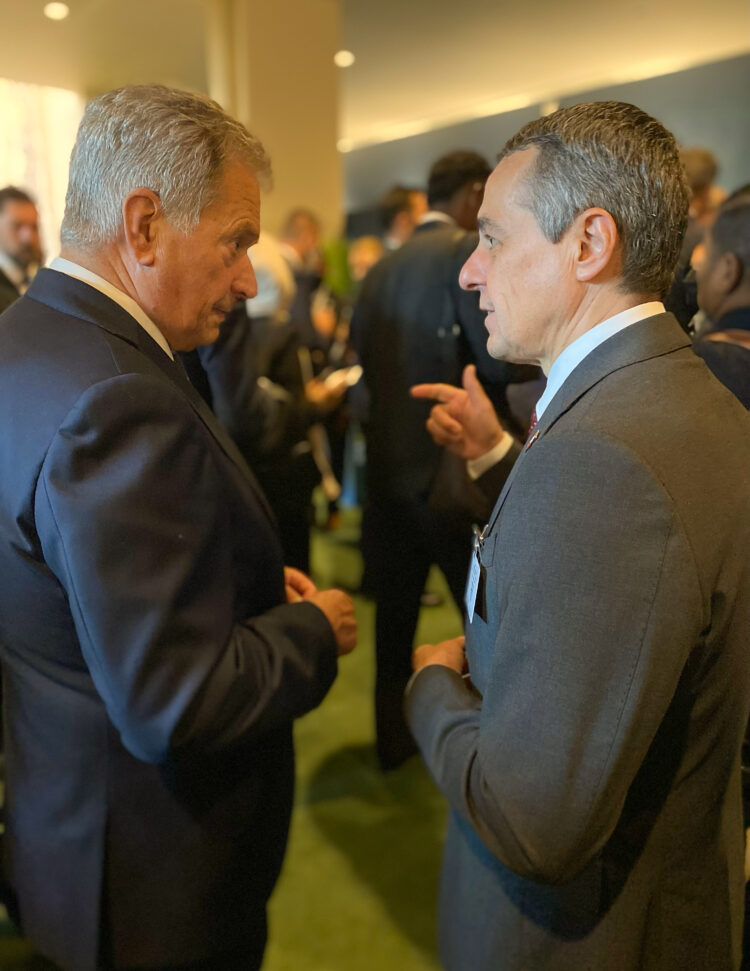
x=152, y=667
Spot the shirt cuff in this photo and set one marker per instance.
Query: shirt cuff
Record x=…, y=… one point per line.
x=477, y=467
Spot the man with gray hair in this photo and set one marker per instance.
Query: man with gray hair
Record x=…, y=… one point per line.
x=155, y=651
x=591, y=762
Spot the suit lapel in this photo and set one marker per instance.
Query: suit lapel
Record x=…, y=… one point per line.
x=647, y=339
x=176, y=372
x=71, y=296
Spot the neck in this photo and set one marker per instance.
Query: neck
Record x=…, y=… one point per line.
x=739, y=300
x=594, y=308
x=107, y=263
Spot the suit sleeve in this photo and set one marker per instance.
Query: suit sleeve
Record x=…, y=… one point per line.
x=136, y=522
x=492, y=481
x=597, y=604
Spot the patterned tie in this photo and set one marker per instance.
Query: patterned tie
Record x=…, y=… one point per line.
x=532, y=426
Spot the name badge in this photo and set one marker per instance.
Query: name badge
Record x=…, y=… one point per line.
x=474, y=595
x=472, y=585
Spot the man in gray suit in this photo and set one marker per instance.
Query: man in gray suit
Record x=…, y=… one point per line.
x=591, y=762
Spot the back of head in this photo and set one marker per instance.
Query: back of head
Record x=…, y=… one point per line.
x=148, y=136
x=731, y=231
x=701, y=167
x=396, y=200
x=612, y=156
x=300, y=223
x=453, y=172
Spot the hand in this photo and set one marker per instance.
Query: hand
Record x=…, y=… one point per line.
x=464, y=420
x=449, y=654
x=324, y=396
x=298, y=585
x=339, y=610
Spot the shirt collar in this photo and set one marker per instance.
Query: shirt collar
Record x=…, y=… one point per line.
x=435, y=216
x=574, y=353
x=109, y=290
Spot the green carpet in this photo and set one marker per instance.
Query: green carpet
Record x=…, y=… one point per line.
x=359, y=884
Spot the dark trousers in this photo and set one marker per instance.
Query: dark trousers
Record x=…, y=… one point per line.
x=247, y=959
x=227, y=962
x=401, y=539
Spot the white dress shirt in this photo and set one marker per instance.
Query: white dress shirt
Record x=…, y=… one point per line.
x=562, y=367
x=574, y=353
x=127, y=303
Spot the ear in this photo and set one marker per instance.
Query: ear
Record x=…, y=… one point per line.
x=142, y=216
x=596, y=243
x=728, y=272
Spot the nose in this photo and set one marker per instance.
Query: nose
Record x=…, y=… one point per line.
x=474, y=271
x=245, y=285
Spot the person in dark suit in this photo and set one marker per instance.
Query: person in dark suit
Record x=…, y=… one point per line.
x=20, y=249
x=252, y=380
x=722, y=270
x=155, y=651
x=412, y=323
x=591, y=758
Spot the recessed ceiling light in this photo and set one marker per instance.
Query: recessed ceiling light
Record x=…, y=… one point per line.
x=56, y=11
x=343, y=58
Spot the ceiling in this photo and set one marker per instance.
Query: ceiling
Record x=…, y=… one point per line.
x=419, y=64
x=435, y=62
x=104, y=43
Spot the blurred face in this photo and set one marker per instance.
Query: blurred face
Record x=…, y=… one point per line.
x=19, y=232
x=200, y=277
x=308, y=241
x=417, y=204
x=708, y=276
x=523, y=280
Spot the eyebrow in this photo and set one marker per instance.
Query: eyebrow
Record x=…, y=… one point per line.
x=243, y=230
x=487, y=225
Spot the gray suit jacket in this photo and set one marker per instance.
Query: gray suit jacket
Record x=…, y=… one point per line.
x=594, y=773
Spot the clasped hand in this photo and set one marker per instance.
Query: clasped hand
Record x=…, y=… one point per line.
x=337, y=606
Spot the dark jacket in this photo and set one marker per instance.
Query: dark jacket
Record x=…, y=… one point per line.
x=152, y=666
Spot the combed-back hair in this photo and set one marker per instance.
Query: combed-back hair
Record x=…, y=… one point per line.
x=149, y=136
x=615, y=157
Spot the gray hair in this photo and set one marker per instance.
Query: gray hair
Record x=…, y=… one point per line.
x=615, y=157
x=148, y=136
